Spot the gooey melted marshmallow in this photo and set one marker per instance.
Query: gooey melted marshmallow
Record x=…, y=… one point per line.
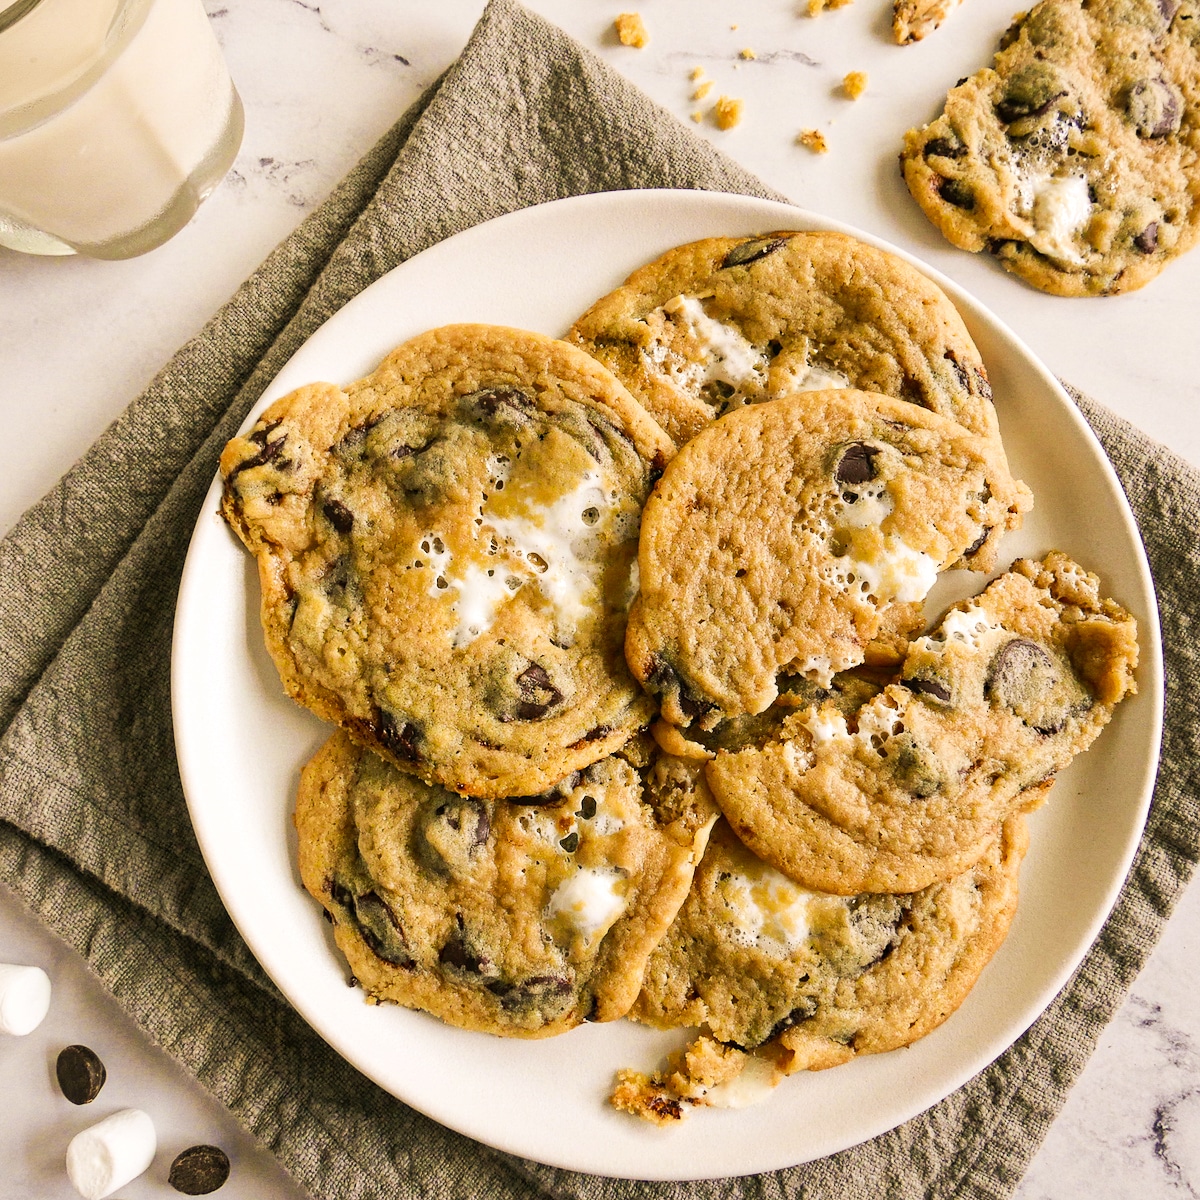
x=527, y=533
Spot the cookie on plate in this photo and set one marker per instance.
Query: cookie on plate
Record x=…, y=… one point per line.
x=780, y=979
x=445, y=550
x=502, y=916
x=1074, y=158
x=989, y=706
x=723, y=322
x=788, y=535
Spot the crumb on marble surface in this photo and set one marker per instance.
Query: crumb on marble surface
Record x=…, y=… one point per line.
x=747, y=53
x=702, y=89
x=854, y=84
x=727, y=112
x=631, y=30
x=819, y=6
x=814, y=139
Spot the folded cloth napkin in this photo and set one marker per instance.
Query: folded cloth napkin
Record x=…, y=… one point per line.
x=94, y=834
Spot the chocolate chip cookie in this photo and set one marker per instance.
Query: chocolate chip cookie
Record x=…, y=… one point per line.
x=786, y=536
x=989, y=706
x=724, y=322
x=1074, y=158
x=445, y=549
x=781, y=979
x=508, y=917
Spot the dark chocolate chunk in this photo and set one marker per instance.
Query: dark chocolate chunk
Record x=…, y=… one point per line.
x=549, y=994
x=570, y=843
x=449, y=835
x=502, y=405
x=944, y=148
x=80, y=1074
x=913, y=768
x=752, y=251
x=537, y=694
x=955, y=192
x=1028, y=680
x=461, y=955
x=338, y=515
x=199, y=1170
x=381, y=930
x=928, y=686
x=804, y=1011
x=587, y=807
x=978, y=543
x=1030, y=92
x=400, y=737
x=664, y=679
x=1147, y=240
x=1153, y=107
x=960, y=372
x=268, y=449
x=857, y=463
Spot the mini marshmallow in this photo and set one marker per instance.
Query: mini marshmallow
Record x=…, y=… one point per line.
x=24, y=998
x=111, y=1153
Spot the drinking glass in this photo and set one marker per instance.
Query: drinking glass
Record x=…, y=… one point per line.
x=117, y=118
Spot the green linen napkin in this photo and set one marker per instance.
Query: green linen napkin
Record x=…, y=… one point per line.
x=94, y=833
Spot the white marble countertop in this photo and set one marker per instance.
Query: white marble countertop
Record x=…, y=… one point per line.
x=79, y=339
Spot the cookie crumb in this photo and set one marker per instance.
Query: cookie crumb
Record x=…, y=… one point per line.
x=697, y=74
x=814, y=139
x=697, y=116
x=702, y=89
x=855, y=84
x=819, y=6
x=747, y=53
x=727, y=112
x=631, y=30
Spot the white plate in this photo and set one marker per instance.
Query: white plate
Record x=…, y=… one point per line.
x=241, y=744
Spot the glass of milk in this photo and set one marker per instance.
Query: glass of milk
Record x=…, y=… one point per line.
x=117, y=118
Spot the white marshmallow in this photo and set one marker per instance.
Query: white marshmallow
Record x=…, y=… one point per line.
x=111, y=1153
x=24, y=998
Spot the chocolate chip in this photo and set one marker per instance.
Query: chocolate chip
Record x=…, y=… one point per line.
x=857, y=463
x=1147, y=240
x=978, y=543
x=928, y=686
x=1153, y=107
x=587, y=807
x=592, y=735
x=338, y=515
x=268, y=450
x=964, y=379
x=665, y=679
x=570, y=843
x=199, y=1170
x=459, y=954
x=545, y=994
x=80, y=1074
x=449, y=835
x=913, y=768
x=537, y=694
x=1028, y=680
x=944, y=148
x=955, y=192
x=804, y=1011
x=751, y=251
x=399, y=737
x=502, y=404
x=1030, y=92
x=381, y=930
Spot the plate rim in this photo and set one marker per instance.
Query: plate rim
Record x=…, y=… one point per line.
x=972, y=310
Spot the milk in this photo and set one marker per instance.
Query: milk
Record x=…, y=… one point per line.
x=117, y=117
